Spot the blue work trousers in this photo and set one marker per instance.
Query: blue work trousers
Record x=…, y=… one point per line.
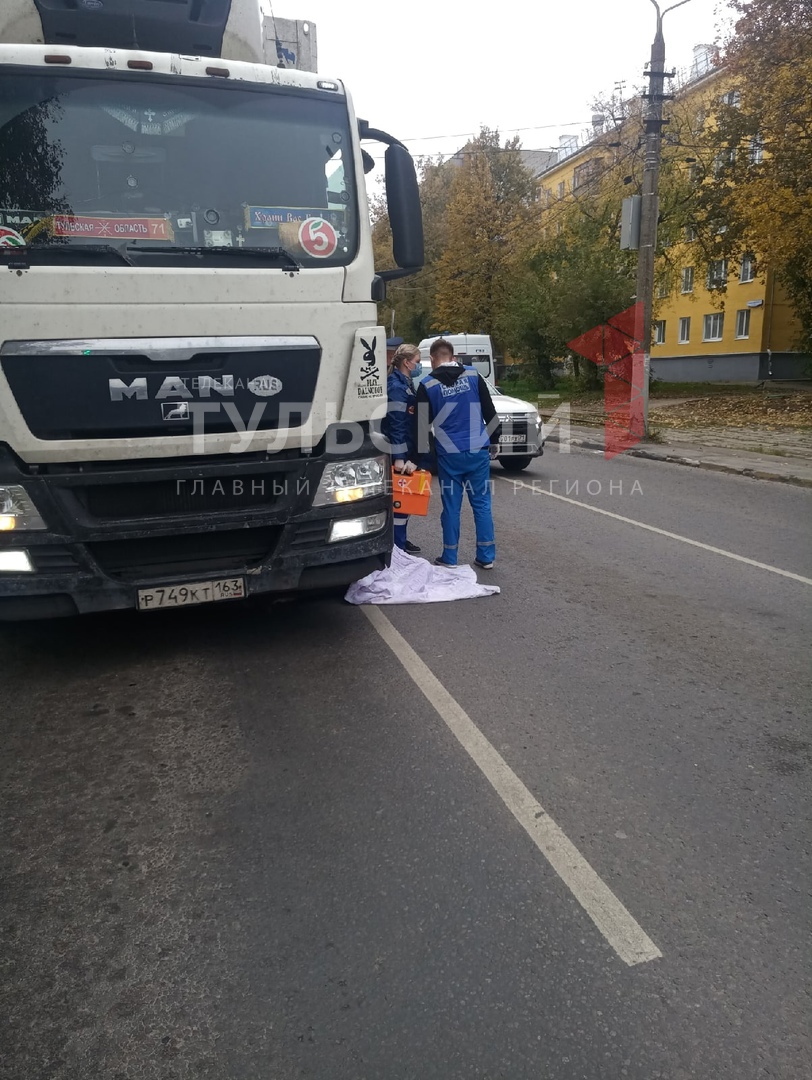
x=468, y=471
x=401, y=525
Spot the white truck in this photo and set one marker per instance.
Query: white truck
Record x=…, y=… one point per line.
x=189, y=358
x=522, y=434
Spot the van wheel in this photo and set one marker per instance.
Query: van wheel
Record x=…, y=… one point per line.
x=514, y=464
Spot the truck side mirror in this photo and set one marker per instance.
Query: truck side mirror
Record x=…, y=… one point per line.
x=403, y=204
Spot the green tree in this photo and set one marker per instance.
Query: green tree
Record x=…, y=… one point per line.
x=489, y=209
x=412, y=299
x=762, y=146
x=588, y=278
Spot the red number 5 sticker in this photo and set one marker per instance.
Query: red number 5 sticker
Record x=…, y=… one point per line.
x=318, y=238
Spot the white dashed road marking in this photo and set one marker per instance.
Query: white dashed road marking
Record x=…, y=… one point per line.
x=661, y=532
x=623, y=933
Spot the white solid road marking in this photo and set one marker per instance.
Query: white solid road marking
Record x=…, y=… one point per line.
x=623, y=933
x=663, y=532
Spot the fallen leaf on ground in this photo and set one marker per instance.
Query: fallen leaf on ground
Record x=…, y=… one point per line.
x=772, y=412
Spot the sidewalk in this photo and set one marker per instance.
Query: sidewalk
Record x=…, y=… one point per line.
x=718, y=449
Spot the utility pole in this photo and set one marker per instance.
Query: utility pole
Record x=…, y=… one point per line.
x=649, y=207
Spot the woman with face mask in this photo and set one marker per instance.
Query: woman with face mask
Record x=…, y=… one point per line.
x=399, y=426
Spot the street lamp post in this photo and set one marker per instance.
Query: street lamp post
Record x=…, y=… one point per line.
x=649, y=205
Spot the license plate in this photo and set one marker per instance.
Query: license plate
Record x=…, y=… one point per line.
x=512, y=438
x=197, y=592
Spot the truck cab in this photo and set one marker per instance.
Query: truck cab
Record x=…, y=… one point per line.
x=190, y=362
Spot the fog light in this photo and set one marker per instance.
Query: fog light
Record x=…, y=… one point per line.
x=353, y=527
x=15, y=562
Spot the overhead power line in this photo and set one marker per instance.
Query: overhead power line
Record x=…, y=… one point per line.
x=468, y=134
x=491, y=150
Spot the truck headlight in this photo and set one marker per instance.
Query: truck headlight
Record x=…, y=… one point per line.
x=349, y=481
x=17, y=511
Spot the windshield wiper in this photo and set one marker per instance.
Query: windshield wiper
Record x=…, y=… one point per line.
x=18, y=257
x=278, y=254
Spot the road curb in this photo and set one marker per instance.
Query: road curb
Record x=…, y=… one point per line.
x=692, y=462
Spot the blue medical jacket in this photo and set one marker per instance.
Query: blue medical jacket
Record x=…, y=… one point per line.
x=398, y=426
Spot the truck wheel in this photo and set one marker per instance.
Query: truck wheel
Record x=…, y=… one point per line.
x=514, y=464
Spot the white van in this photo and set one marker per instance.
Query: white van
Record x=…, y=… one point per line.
x=522, y=437
x=476, y=350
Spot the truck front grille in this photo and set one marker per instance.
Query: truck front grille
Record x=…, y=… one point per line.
x=53, y=559
x=173, y=497
x=191, y=553
x=310, y=534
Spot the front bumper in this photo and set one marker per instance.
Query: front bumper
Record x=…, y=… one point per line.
x=526, y=439
x=56, y=595
x=94, y=557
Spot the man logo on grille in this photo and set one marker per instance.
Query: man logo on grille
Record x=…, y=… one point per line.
x=175, y=410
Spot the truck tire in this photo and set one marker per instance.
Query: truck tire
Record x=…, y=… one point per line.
x=514, y=464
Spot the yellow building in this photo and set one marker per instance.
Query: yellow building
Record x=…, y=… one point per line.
x=701, y=333
x=745, y=334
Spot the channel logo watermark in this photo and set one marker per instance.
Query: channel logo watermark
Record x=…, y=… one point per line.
x=615, y=346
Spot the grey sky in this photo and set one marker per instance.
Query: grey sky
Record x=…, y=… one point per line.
x=428, y=68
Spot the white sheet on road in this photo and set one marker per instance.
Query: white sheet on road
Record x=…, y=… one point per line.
x=409, y=580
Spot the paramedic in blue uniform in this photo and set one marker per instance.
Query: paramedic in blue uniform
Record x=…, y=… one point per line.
x=399, y=427
x=455, y=401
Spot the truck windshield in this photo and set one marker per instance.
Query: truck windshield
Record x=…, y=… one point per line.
x=172, y=164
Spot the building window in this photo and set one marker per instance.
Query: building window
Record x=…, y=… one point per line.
x=714, y=326
x=659, y=332
x=562, y=187
x=684, y=329
x=756, y=150
x=724, y=161
x=687, y=279
x=548, y=196
x=690, y=233
x=717, y=273
x=743, y=323
x=586, y=172
x=748, y=269
x=732, y=98
x=664, y=286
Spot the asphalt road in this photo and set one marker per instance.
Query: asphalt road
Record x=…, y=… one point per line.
x=241, y=844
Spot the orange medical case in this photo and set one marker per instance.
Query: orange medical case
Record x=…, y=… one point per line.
x=411, y=494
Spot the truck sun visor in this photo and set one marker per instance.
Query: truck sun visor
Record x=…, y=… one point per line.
x=192, y=27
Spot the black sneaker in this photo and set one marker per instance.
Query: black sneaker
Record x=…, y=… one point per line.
x=483, y=565
x=411, y=549
x=440, y=561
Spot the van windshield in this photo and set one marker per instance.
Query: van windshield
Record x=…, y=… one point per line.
x=174, y=164
x=480, y=361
